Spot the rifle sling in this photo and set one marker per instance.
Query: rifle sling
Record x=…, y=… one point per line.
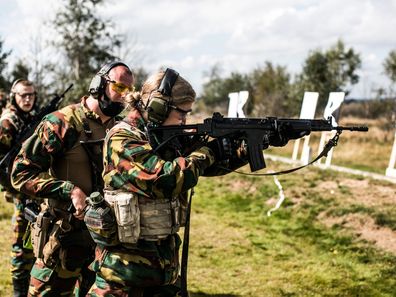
x=328, y=146
x=96, y=168
x=186, y=242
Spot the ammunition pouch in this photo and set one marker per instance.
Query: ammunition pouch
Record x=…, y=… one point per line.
x=127, y=214
x=143, y=218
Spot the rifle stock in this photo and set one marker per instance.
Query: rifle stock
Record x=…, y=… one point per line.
x=258, y=133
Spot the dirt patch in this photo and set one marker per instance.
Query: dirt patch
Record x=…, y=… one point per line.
x=247, y=187
x=361, y=191
x=365, y=228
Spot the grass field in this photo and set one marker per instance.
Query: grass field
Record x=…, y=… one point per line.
x=317, y=244
x=335, y=234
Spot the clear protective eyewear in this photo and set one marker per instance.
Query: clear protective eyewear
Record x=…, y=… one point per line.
x=182, y=112
x=26, y=95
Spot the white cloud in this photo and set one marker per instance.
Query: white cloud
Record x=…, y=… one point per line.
x=192, y=36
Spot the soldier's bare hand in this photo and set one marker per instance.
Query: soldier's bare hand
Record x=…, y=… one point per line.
x=78, y=200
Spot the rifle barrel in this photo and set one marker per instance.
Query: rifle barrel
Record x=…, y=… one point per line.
x=352, y=128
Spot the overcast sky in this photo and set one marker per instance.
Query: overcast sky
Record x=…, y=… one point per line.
x=193, y=35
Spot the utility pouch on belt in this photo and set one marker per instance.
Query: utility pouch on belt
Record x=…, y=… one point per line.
x=40, y=232
x=159, y=218
x=127, y=214
x=143, y=218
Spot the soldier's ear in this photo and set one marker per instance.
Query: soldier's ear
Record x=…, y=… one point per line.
x=98, y=82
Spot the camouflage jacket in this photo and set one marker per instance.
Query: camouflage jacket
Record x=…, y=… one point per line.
x=12, y=122
x=130, y=164
x=55, y=137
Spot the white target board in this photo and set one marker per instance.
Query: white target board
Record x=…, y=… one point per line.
x=333, y=104
x=308, y=108
x=236, y=103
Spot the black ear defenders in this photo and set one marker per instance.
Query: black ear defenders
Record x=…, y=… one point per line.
x=159, y=108
x=98, y=82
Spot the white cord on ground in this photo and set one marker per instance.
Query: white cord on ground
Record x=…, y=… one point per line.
x=281, y=197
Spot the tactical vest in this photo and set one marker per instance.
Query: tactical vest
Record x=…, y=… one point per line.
x=139, y=217
x=75, y=165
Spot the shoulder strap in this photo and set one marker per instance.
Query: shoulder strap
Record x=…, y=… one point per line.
x=96, y=165
x=87, y=129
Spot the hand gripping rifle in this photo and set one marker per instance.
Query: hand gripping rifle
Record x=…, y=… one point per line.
x=257, y=133
x=6, y=162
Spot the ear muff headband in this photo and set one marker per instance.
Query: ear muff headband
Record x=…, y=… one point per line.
x=12, y=92
x=158, y=108
x=98, y=82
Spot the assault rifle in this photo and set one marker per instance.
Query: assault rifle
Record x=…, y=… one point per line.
x=6, y=162
x=257, y=133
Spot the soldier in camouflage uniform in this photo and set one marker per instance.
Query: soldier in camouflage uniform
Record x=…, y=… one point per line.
x=58, y=163
x=13, y=120
x=150, y=265
x=3, y=100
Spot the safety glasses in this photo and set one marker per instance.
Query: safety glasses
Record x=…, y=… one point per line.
x=26, y=95
x=182, y=112
x=120, y=88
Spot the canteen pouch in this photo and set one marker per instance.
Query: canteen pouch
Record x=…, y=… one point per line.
x=127, y=213
x=101, y=223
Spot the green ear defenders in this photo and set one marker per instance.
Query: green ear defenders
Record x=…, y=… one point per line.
x=98, y=82
x=158, y=108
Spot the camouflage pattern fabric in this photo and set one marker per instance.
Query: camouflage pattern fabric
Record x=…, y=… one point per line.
x=129, y=164
x=13, y=122
x=49, y=282
x=151, y=268
x=22, y=259
x=56, y=134
x=54, y=137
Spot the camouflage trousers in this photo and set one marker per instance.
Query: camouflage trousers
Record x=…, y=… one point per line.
x=150, y=269
x=69, y=276
x=22, y=259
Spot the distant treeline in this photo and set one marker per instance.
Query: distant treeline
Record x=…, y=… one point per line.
x=82, y=41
